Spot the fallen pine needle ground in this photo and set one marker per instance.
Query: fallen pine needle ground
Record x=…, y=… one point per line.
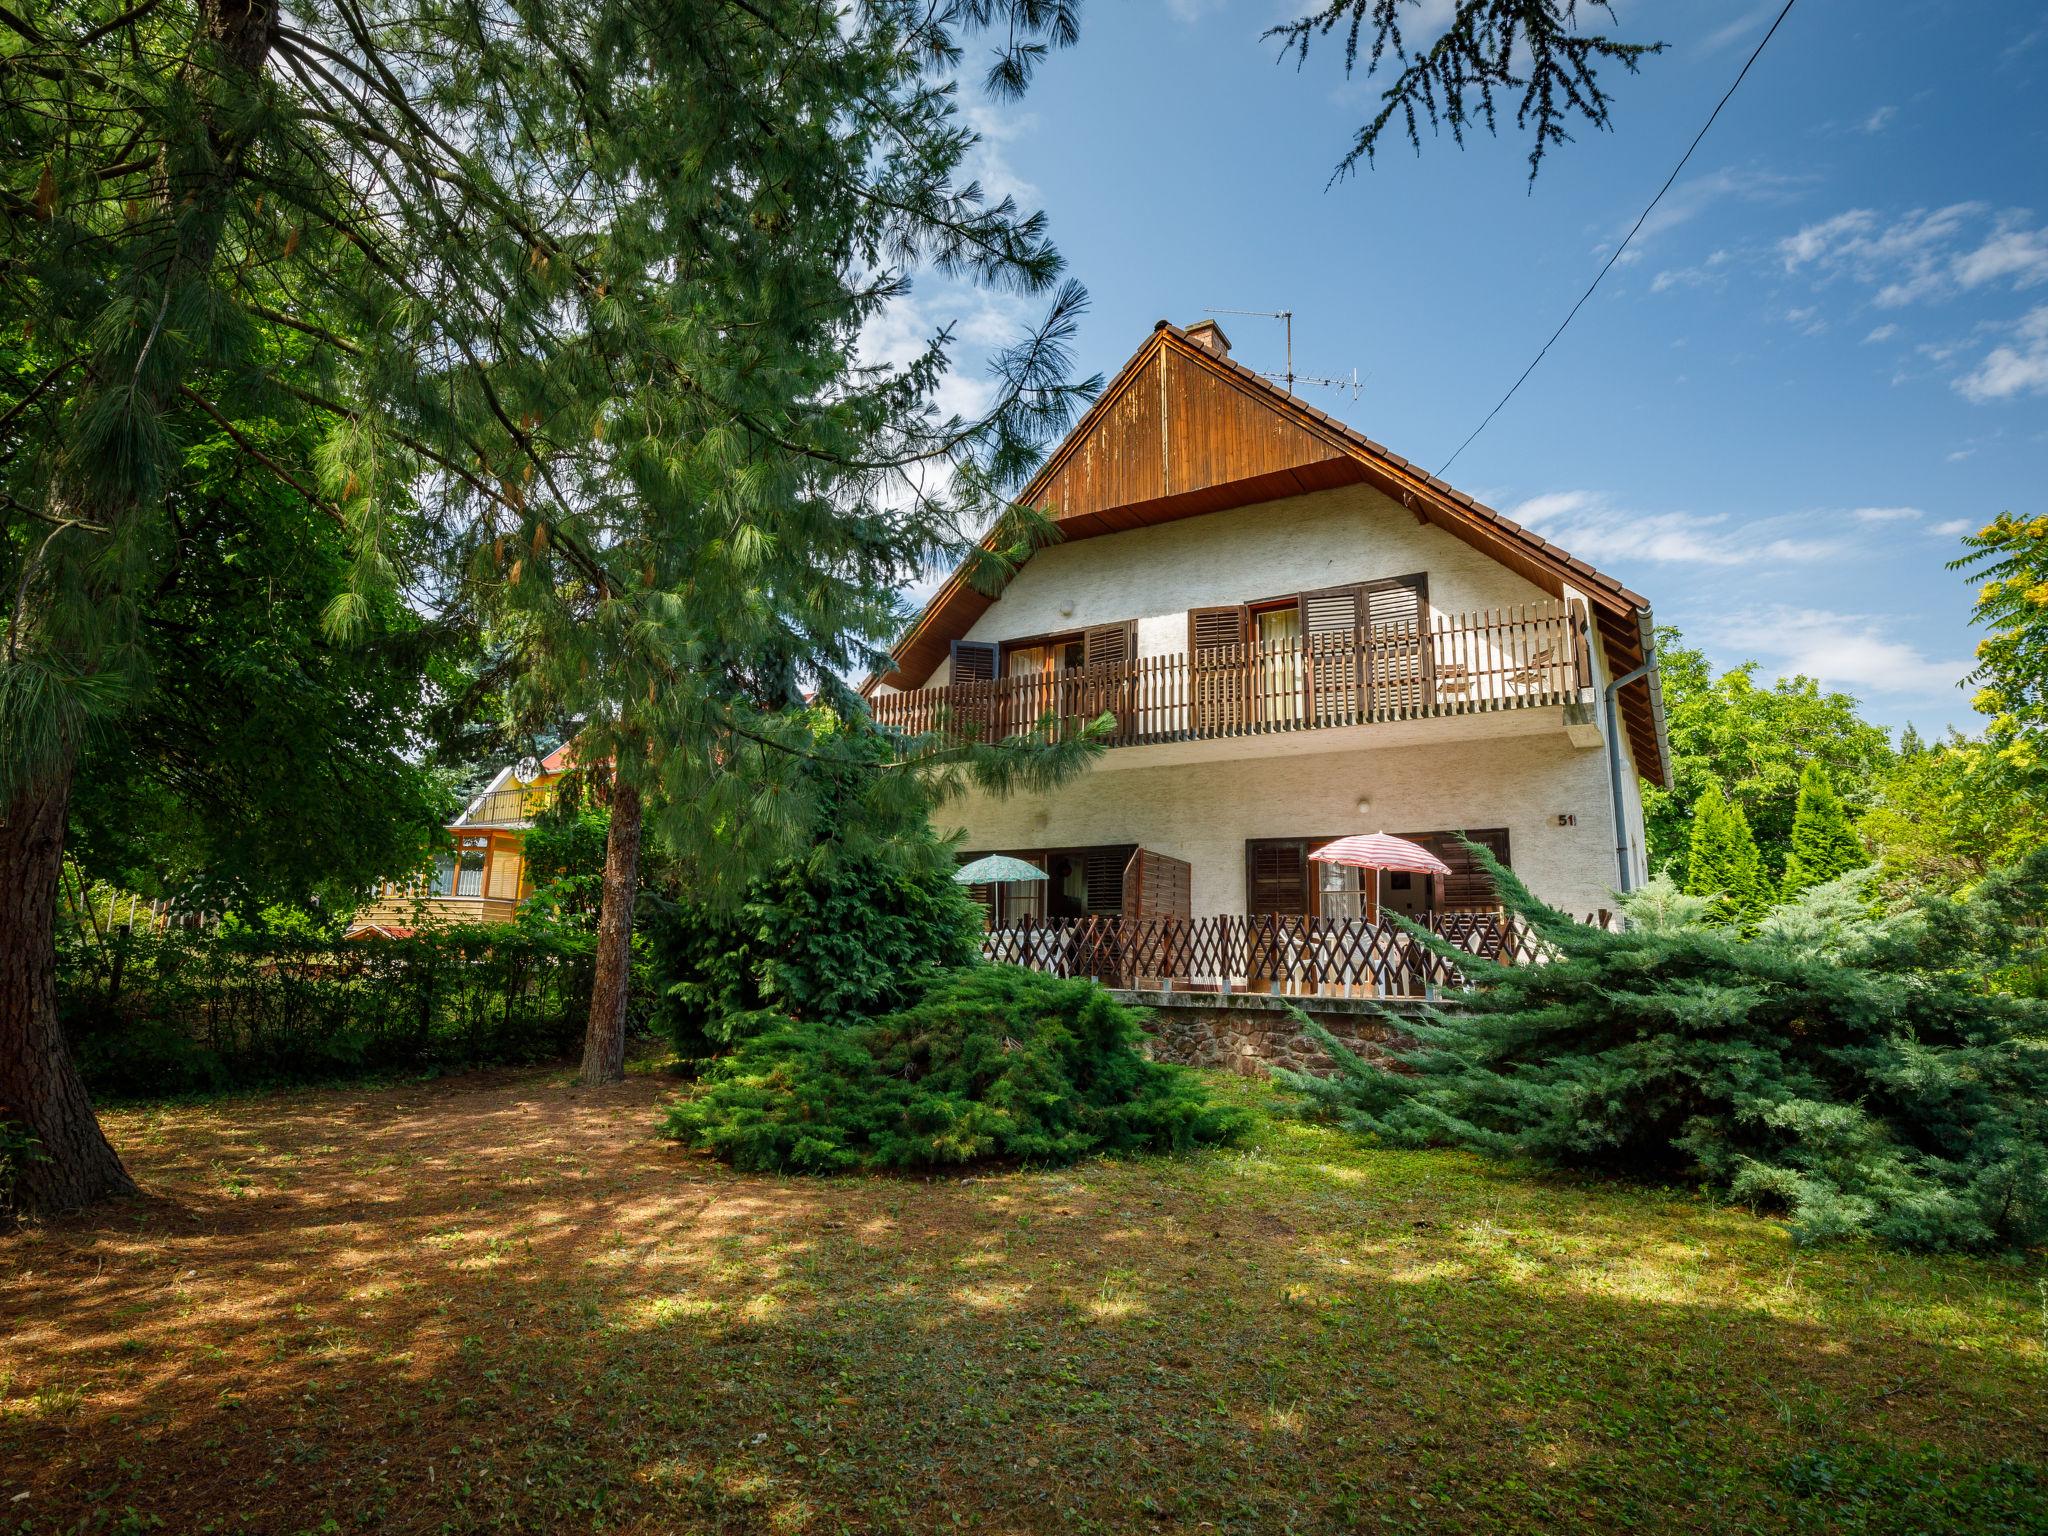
x=501, y=1303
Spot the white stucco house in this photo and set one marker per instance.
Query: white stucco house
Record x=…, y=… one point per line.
x=1299, y=635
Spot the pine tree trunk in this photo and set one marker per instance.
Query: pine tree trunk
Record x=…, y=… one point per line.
x=604, y=1043
x=40, y=1089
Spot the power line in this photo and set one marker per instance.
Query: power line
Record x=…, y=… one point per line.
x=1611, y=260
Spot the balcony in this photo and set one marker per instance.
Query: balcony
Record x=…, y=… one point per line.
x=513, y=806
x=1524, y=657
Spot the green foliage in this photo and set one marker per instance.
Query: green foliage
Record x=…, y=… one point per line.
x=18, y=1148
x=564, y=851
x=2011, y=557
x=1722, y=863
x=267, y=762
x=994, y=1062
x=1850, y=1070
x=829, y=941
x=191, y=1011
x=1824, y=846
x=1754, y=742
x=1946, y=815
x=858, y=925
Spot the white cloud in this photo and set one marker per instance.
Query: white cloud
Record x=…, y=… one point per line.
x=1191, y=11
x=1879, y=120
x=2014, y=252
x=1747, y=22
x=1887, y=514
x=1694, y=196
x=1593, y=528
x=1882, y=333
x=1952, y=527
x=1858, y=652
x=1922, y=254
x=986, y=163
x=981, y=323
x=2016, y=367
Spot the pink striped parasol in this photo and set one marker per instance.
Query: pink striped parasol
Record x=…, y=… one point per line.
x=1377, y=851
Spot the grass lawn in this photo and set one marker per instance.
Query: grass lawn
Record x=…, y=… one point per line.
x=498, y=1303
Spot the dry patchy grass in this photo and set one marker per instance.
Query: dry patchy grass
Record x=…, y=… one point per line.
x=499, y=1303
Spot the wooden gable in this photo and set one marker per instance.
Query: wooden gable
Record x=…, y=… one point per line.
x=1173, y=437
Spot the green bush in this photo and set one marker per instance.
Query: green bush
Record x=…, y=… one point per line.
x=1857, y=1072
x=994, y=1062
x=190, y=1012
x=828, y=941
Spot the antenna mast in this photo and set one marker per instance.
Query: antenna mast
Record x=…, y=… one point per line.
x=1289, y=378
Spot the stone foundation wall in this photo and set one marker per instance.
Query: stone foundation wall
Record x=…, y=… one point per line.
x=1251, y=1033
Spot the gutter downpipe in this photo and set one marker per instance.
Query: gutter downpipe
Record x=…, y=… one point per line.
x=1612, y=720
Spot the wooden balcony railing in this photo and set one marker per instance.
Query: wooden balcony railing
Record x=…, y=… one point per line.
x=1507, y=658
x=1292, y=956
x=514, y=806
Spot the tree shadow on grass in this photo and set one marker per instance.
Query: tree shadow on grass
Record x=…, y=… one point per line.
x=501, y=1303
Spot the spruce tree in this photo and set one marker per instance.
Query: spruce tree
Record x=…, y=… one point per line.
x=1723, y=864
x=573, y=297
x=1824, y=846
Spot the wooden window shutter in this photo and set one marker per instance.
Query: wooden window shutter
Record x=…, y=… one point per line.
x=1212, y=627
x=1276, y=877
x=1467, y=887
x=1219, y=679
x=1157, y=885
x=1400, y=663
x=1102, y=879
x=1109, y=645
x=1331, y=611
x=1332, y=654
x=974, y=661
x=1402, y=600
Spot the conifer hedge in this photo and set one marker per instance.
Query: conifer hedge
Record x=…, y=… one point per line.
x=993, y=1062
x=1858, y=1073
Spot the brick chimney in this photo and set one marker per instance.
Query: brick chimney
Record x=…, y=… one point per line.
x=1208, y=335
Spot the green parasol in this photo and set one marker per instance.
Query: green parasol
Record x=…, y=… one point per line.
x=997, y=869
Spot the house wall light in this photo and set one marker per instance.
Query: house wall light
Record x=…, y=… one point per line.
x=1364, y=806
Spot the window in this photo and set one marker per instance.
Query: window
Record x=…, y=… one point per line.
x=1279, y=663
x=459, y=874
x=1080, y=882
x=1281, y=879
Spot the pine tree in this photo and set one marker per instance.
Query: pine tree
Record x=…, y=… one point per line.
x=572, y=296
x=1824, y=846
x=1722, y=862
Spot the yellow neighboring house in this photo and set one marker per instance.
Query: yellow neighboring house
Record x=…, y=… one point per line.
x=482, y=878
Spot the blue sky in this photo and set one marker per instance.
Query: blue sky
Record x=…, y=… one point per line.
x=1826, y=354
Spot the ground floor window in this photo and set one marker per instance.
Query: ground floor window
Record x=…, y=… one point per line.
x=1080, y=882
x=1281, y=879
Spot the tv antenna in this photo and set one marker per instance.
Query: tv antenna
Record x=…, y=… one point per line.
x=1290, y=378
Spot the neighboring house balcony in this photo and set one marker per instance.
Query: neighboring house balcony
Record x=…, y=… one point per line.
x=514, y=806
x=1524, y=658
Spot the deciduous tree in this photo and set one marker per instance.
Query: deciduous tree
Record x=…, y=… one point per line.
x=1754, y=741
